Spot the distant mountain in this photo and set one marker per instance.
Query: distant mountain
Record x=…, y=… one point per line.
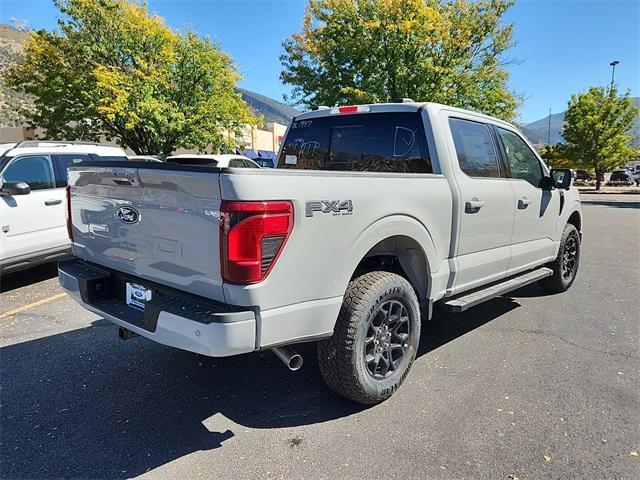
x=537, y=131
x=270, y=109
x=12, y=41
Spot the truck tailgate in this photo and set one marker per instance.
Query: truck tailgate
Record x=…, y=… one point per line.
x=159, y=223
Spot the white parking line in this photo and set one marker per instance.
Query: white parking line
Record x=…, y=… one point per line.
x=31, y=305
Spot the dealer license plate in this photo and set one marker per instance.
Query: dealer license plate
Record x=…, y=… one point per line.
x=137, y=295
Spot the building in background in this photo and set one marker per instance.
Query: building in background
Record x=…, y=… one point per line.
x=255, y=143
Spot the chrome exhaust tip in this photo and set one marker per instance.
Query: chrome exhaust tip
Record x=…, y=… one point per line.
x=291, y=358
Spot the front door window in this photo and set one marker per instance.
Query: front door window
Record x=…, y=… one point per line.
x=522, y=161
x=36, y=170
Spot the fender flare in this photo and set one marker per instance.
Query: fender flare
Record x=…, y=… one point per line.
x=569, y=210
x=397, y=225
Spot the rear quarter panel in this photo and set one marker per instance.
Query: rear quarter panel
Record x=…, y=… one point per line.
x=324, y=249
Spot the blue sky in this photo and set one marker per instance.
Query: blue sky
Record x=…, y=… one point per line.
x=562, y=46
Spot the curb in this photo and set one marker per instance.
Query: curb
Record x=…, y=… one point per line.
x=624, y=192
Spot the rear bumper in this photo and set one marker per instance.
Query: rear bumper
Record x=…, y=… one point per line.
x=171, y=318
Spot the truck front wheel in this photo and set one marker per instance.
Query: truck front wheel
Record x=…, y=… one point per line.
x=375, y=339
x=565, y=266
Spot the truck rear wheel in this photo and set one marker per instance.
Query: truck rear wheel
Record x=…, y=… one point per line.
x=375, y=339
x=565, y=266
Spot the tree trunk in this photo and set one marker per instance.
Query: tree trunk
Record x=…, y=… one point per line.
x=598, y=179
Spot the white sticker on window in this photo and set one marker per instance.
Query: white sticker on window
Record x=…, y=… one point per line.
x=290, y=159
x=403, y=141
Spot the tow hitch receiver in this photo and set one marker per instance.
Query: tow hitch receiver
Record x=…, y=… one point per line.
x=125, y=334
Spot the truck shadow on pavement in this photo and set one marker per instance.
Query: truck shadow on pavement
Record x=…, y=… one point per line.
x=22, y=278
x=613, y=203
x=85, y=404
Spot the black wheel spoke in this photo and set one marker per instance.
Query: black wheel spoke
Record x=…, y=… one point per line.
x=386, y=338
x=569, y=258
x=384, y=368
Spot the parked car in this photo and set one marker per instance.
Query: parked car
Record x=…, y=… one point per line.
x=584, y=176
x=33, y=177
x=622, y=176
x=220, y=161
x=374, y=214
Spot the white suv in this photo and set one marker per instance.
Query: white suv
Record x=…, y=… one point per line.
x=33, y=177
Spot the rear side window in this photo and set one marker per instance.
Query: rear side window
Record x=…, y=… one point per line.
x=238, y=163
x=474, y=148
x=250, y=164
x=375, y=142
x=63, y=161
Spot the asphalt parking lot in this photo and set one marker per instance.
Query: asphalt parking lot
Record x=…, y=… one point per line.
x=528, y=386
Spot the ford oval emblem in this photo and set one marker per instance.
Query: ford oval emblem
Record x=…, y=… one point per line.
x=128, y=214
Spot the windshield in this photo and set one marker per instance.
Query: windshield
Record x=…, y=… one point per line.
x=375, y=142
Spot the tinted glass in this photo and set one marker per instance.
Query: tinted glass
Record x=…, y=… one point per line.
x=474, y=148
x=250, y=164
x=523, y=163
x=264, y=163
x=103, y=158
x=63, y=162
x=36, y=170
x=192, y=161
x=236, y=163
x=375, y=142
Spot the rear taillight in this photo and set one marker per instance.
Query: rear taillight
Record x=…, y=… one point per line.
x=252, y=235
x=68, y=212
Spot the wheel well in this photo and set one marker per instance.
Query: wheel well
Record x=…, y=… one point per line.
x=576, y=221
x=403, y=256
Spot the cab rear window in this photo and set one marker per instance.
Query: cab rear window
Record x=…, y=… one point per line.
x=373, y=142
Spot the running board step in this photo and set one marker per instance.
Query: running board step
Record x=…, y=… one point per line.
x=468, y=300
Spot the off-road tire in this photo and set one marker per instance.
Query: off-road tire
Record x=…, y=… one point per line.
x=342, y=357
x=558, y=283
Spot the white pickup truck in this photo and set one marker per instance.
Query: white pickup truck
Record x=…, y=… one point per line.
x=374, y=214
x=33, y=177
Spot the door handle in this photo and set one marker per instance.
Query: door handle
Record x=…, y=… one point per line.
x=473, y=206
x=52, y=202
x=524, y=202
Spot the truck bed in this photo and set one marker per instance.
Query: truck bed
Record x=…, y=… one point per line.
x=176, y=241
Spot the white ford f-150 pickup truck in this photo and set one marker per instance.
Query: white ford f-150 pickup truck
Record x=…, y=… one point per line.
x=374, y=214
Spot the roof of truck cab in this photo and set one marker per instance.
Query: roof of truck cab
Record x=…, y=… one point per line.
x=398, y=107
x=11, y=150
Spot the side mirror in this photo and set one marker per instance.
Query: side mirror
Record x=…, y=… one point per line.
x=15, y=188
x=562, y=178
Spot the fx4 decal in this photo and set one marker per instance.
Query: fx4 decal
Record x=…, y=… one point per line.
x=333, y=207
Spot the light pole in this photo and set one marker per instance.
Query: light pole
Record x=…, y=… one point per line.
x=613, y=72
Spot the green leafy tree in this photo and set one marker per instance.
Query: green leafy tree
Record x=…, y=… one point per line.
x=556, y=156
x=597, y=130
x=361, y=51
x=114, y=69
